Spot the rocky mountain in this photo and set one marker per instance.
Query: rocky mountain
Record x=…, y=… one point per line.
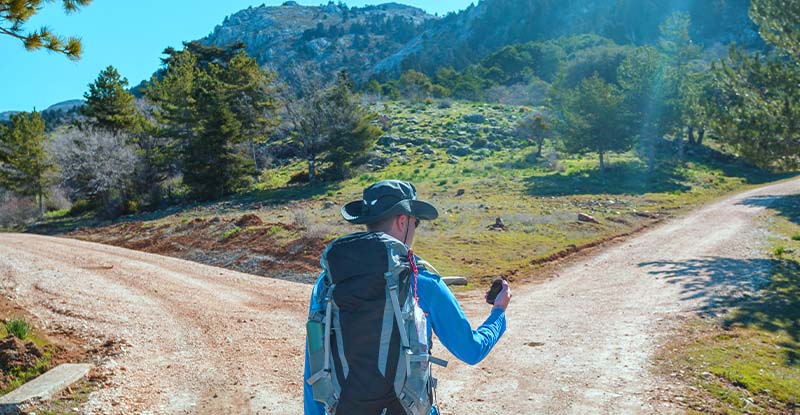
x=54, y=115
x=300, y=42
x=463, y=38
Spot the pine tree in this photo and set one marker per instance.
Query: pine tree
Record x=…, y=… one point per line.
x=15, y=13
x=109, y=105
x=24, y=163
x=214, y=102
x=756, y=110
x=331, y=126
x=593, y=120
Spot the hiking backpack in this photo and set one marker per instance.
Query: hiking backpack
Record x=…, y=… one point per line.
x=368, y=337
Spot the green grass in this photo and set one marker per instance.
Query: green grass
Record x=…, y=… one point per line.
x=25, y=331
x=230, y=233
x=538, y=197
x=18, y=327
x=18, y=377
x=749, y=360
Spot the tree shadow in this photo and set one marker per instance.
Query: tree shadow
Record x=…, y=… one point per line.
x=787, y=206
x=732, y=166
x=760, y=293
x=633, y=177
x=629, y=177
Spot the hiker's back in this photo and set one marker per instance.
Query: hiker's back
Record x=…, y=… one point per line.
x=370, y=356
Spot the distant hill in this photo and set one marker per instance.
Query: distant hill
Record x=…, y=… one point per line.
x=6, y=115
x=301, y=42
x=463, y=38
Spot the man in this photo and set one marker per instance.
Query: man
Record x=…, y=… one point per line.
x=391, y=207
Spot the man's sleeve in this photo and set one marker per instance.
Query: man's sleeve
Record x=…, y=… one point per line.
x=451, y=325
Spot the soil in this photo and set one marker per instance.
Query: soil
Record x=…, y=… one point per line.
x=277, y=250
x=191, y=338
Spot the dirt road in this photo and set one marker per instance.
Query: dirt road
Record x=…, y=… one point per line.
x=199, y=339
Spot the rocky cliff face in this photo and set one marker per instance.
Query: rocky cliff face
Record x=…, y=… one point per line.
x=463, y=38
x=301, y=42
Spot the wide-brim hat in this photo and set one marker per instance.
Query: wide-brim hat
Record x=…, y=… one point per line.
x=388, y=198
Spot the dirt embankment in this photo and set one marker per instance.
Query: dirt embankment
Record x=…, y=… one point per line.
x=245, y=244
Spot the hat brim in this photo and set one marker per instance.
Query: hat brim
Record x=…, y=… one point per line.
x=416, y=208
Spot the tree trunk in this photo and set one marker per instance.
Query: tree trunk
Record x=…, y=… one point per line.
x=255, y=158
x=312, y=176
x=539, y=142
x=679, y=137
x=651, y=155
x=41, y=201
x=690, y=134
x=700, y=134
x=602, y=163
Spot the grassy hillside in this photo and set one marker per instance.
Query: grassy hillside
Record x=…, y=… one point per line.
x=495, y=175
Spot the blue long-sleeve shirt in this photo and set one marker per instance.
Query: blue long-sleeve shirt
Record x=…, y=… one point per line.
x=445, y=317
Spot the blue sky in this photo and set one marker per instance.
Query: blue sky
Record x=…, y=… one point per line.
x=130, y=35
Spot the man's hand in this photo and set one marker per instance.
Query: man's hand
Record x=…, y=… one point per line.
x=503, y=298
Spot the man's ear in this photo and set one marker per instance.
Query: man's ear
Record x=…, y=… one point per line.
x=400, y=222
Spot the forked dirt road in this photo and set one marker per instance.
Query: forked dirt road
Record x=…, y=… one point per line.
x=198, y=339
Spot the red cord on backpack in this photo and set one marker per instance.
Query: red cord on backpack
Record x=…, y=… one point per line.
x=415, y=270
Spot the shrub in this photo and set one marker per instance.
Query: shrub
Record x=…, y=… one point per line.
x=779, y=250
x=18, y=327
x=230, y=233
x=81, y=206
x=16, y=210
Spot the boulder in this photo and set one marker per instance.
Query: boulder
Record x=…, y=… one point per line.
x=460, y=151
x=475, y=118
x=583, y=217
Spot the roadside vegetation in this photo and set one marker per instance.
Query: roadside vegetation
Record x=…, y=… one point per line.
x=26, y=352
x=537, y=197
x=746, y=359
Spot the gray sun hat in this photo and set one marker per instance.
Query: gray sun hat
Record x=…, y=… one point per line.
x=387, y=198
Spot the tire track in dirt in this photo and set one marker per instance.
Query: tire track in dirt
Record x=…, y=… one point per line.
x=209, y=340
x=582, y=342
x=205, y=340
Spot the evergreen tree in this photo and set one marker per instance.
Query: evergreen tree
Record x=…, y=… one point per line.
x=593, y=120
x=15, y=13
x=214, y=102
x=679, y=52
x=108, y=104
x=24, y=163
x=756, y=110
x=649, y=98
x=352, y=133
x=332, y=127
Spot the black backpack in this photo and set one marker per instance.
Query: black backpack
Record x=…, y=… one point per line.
x=368, y=345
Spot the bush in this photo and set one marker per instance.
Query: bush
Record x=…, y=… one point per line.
x=18, y=327
x=15, y=210
x=81, y=206
x=230, y=233
x=300, y=177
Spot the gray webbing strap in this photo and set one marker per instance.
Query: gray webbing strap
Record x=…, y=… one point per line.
x=337, y=325
x=386, y=335
x=398, y=314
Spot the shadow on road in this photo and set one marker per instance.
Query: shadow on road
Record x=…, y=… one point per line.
x=787, y=206
x=760, y=293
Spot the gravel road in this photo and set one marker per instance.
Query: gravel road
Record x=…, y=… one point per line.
x=199, y=339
